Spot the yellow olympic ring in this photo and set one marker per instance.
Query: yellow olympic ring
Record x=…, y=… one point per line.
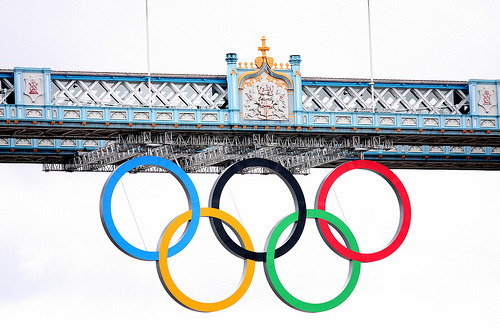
x=166, y=278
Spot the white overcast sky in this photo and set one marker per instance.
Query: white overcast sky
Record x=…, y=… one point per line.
x=59, y=271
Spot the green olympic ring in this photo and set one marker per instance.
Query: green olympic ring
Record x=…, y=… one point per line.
x=272, y=276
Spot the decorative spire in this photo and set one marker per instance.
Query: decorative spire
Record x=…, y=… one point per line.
x=264, y=48
x=263, y=59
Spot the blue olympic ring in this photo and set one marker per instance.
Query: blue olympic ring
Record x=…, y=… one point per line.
x=107, y=219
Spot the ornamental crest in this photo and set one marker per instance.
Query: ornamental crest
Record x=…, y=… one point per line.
x=487, y=97
x=265, y=98
x=265, y=93
x=33, y=87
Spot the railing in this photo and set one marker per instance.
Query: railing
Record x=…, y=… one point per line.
x=392, y=97
x=116, y=91
x=210, y=92
x=50, y=144
x=398, y=120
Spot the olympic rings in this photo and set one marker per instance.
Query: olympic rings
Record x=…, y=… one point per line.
x=298, y=198
x=272, y=276
x=245, y=250
x=107, y=218
x=404, y=207
x=166, y=278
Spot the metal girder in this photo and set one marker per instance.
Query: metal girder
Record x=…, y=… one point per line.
x=212, y=152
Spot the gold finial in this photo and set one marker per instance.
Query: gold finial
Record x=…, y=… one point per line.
x=264, y=48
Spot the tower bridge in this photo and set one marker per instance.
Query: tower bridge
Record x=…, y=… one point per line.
x=93, y=121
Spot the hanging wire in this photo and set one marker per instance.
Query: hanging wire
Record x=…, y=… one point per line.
x=235, y=206
x=371, y=57
x=148, y=53
x=133, y=215
x=344, y=218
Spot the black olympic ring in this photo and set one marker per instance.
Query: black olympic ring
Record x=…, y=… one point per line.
x=293, y=186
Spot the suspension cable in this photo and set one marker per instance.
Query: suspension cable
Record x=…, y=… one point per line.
x=133, y=215
x=371, y=56
x=235, y=206
x=148, y=54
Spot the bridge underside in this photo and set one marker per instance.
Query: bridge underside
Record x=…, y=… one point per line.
x=211, y=151
x=399, y=136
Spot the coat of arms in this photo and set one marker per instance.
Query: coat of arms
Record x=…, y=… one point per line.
x=265, y=93
x=487, y=97
x=265, y=100
x=33, y=87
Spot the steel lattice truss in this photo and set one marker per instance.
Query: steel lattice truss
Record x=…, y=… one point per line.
x=6, y=89
x=202, y=153
x=189, y=95
x=411, y=100
x=183, y=95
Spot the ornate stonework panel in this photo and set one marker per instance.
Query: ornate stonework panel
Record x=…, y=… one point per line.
x=93, y=114
x=365, y=120
x=457, y=150
x=141, y=115
x=118, y=115
x=452, y=122
x=265, y=98
x=68, y=143
x=409, y=121
x=34, y=113
x=90, y=143
x=431, y=122
x=164, y=115
x=345, y=120
x=33, y=88
x=209, y=116
x=387, y=120
x=72, y=114
x=415, y=149
x=487, y=122
x=478, y=150
x=187, y=116
x=321, y=119
x=487, y=99
x=46, y=142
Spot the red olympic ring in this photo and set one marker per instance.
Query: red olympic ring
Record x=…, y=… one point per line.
x=404, y=206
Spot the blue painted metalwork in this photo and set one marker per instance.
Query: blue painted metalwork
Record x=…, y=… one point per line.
x=384, y=85
x=232, y=78
x=75, y=115
x=211, y=104
x=297, y=82
x=138, y=79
